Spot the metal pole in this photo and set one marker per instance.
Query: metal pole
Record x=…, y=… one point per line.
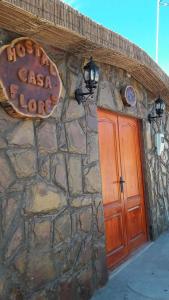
x=162, y=3
x=157, y=29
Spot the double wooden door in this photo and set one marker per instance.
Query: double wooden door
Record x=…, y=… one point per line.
x=122, y=185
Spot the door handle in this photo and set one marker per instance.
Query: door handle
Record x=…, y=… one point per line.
x=121, y=184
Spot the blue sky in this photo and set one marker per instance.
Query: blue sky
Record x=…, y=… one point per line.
x=135, y=20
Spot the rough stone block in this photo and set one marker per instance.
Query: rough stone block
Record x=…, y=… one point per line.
x=40, y=296
x=97, y=200
x=132, y=111
x=20, y=262
x=120, y=77
x=60, y=258
x=74, y=111
x=2, y=282
x=62, y=68
x=22, y=135
x=40, y=270
x=76, y=137
x=100, y=219
x=81, y=201
x=100, y=264
x=141, y=110
x=17, y=186
x=68, y=289
x=47, y=142
x=58, y=170
x=74, y=64
x=74, y=175
x=16, y=293
x=148, y=136
x=85, y=219
x=62, y=228
x=85, y=280
x=6, y=177
x=92, y=179
x=98, y=216
x=85, y=256
x=15, y=242
x=3, y=143
x=62, y=143
x=118, y=99
x=82, y=221
x=91, y=109
x=6, y=122
x=138, y=90
x=44, y=167
x=91, y=124
x=57, y=113
x=41, y=197
x=23, y=161
x=9, y=211
x=105, y=96
x=72, y=84
x=82, y=123
x=63, y=93
x=92, y=147
x=41, y=233
x=72, y=253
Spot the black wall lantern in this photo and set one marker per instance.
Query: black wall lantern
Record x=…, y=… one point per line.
x=159, y=107
x=91, y=78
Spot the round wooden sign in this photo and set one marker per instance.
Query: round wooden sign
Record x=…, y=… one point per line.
x=128, y=96
x=30, y=85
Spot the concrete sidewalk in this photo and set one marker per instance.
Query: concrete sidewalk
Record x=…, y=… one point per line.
x=145, y=276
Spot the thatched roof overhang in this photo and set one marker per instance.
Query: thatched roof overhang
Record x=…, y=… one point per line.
x=59, y=25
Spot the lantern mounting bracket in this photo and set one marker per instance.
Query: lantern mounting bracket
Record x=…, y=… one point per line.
x=79, y=95
x=152, y=118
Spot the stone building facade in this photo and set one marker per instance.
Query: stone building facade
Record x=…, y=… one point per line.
x=52, y=240
x=52, y=227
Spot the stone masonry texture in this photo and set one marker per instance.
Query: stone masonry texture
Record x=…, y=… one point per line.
x=52, y=240
x=52, y=243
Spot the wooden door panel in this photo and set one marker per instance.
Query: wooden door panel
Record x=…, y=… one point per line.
x=132, y=174
x=134, y=217
x=115, y=238
x=128, y=148
x=133, y=201
x=113, y=203
x=136, y=242
x=109, y=149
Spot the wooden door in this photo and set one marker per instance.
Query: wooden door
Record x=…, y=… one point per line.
x=124, y=211
x=133, y=187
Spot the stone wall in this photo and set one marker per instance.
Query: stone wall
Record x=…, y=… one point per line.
x=157, y=171
x=52, y=243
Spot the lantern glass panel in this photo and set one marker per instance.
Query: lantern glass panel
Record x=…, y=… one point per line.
x=163, y=106
x=92, y=74
x=86, y=75
x=96, y=75
x=158, y=111
x=159, y=106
